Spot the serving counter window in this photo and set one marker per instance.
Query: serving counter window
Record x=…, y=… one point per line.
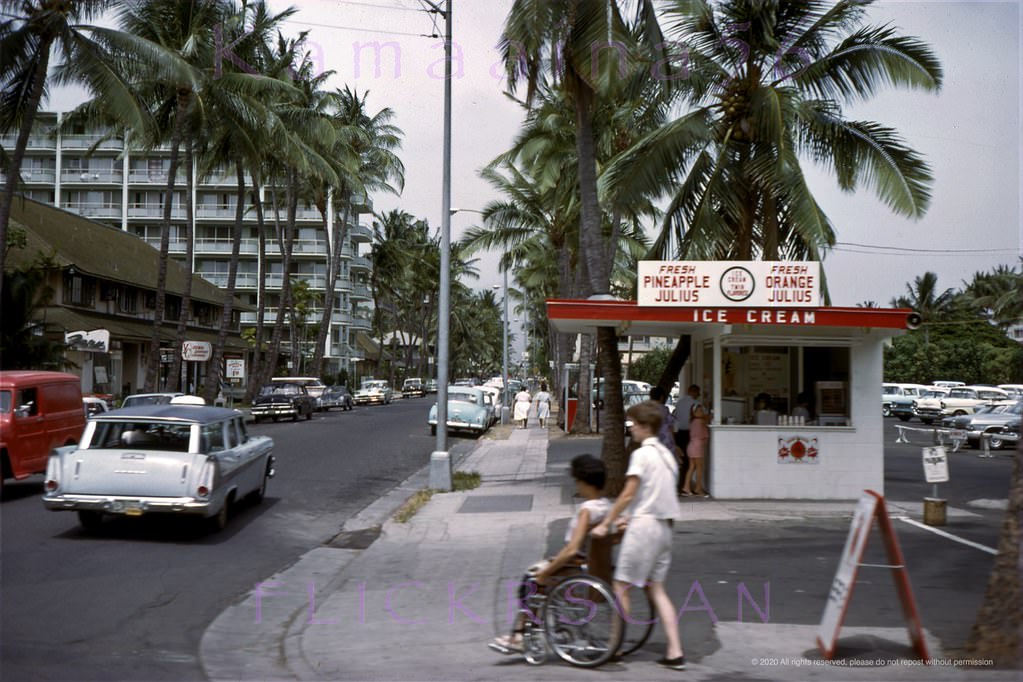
x=787, y=385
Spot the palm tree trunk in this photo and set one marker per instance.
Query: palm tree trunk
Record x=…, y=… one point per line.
x=997, y=633
x=613, y=451
x=675, y=364
x=13, y=169
x=257, y=355
x=771, y=236
x=153, y=367
x=334, y=269
x=214, y=372
x=186, y=295
x=286, y=239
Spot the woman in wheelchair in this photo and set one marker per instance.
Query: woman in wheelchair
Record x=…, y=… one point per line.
x=589, y=474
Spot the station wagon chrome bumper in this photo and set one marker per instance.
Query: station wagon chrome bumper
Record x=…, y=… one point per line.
x=127, y=504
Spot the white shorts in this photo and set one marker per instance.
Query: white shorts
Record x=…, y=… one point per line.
x=645, y=554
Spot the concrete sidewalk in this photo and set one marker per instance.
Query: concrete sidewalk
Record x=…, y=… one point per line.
x=419, y=601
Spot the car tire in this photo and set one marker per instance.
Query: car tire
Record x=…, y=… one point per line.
x=257, y=420
x=886, y=411
x=89, y=519
x=433, y=429
x=218, y=521
x=958, y=413
x=995, y=442
x=926, y=421
x=903, y=418
x=276, y=418
x=259, y=494
x=309, y=415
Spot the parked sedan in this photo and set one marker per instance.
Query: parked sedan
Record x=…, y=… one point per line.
x=174, y=459
x=467, y=411
x=375, y=391
x=283, y=399
x=990, y=421
x=335, y=396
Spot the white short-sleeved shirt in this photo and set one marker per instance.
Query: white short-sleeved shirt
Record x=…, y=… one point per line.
x=657, y=471
x=598, y=509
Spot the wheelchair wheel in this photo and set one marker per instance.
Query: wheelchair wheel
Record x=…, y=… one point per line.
x=534, y=645
x=641, y=620
x=580, y=620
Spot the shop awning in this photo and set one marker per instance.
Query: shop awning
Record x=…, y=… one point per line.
x=629, y=318
x=132, y=331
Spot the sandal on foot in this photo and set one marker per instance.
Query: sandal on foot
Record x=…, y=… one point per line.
x=506, y=645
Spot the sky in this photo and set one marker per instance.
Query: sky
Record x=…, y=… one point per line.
x=969, y=132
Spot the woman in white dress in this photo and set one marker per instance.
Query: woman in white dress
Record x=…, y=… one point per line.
x=522, y=403
x=543, y=405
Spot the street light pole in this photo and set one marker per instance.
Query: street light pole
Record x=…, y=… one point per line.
x=440, y=459
x=504, y=353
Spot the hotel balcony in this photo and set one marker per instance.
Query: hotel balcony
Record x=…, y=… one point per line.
x=204, y=246
x=309, y=247
x=142, y=176
x=93, y=210
x=361, y=292
x=45, y=176
x=176, y=246
x=360, y=233
x=154, y=211
x=84, y=176
x=35, y=141
x=88, y=141
x=361, y=263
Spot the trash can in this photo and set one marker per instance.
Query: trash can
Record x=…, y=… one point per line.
x=573, y=404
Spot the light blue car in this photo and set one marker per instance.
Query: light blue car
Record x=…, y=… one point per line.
x=467, y=411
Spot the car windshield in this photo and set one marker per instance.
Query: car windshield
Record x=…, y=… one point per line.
x=137, y=400
x=141, y=435
x=284, y=389
x=5, y=402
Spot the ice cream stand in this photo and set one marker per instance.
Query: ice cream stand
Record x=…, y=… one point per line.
x=793, y=386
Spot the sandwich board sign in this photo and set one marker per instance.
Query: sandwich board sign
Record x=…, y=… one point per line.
x=871, y=506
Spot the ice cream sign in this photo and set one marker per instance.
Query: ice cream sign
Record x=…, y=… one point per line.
x=758, y=284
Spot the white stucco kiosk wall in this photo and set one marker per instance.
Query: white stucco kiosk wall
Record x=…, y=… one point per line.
x=743, y=460
x=835, y=454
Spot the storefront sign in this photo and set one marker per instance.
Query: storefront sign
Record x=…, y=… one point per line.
x=97, y=341
x=196, y=351
x=797, y=450
x=790, y=284
x=234, y=368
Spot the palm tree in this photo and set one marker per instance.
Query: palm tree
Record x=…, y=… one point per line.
x=30, y=32
x=575, y=44
x=371, y=140
x=765, y=85
x=924, y=297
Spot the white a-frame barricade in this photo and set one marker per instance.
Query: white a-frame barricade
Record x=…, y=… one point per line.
x=871, y=506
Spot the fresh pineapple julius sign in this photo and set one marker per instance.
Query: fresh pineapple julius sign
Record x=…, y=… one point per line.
x=755, y=284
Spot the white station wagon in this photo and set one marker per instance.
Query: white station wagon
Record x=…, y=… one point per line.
x=176, y=459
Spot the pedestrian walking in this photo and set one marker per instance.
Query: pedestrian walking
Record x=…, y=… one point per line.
x=542, y=401
x=684, y=408
x=522, y=402
x=645, y=554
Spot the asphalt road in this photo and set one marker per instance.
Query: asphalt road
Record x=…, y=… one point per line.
x=131, y=601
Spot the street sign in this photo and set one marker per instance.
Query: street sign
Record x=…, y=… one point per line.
x=935, y=464
x=871, y=506
x=196, y=351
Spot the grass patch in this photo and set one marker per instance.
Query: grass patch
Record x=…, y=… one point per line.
x=461, y=480
x=413, y=505
x=466, y=480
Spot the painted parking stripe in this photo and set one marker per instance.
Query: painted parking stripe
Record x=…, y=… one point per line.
x=956, y=538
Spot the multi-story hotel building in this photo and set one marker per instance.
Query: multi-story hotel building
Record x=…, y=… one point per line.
x=100, y=177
